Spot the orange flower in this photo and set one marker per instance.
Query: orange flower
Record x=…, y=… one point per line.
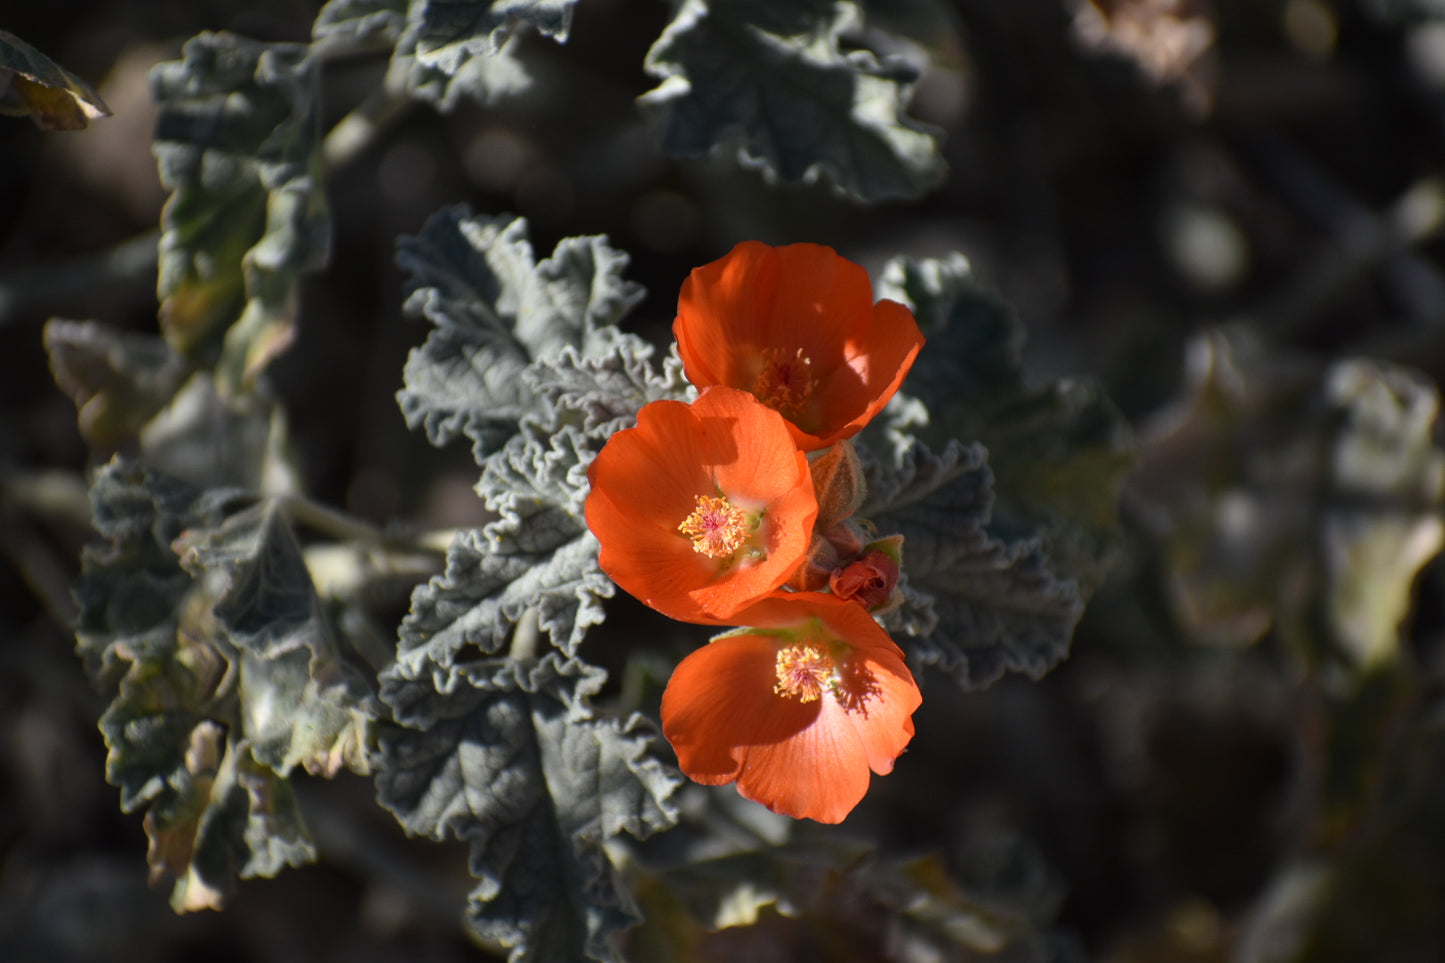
x=702, y=509
x=798, y=328
x=797, y=710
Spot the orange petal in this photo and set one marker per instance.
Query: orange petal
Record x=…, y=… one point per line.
x=883, y=700
x=722, y=313
x=821, y=773
x=878, y=364
x=726, y=721
x=720, y=701
x=760, y=302
x=878, y=691
x=645, y=483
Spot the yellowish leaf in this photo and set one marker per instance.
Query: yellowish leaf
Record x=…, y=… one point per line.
x=33, y=85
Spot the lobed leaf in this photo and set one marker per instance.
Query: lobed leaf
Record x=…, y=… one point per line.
x=544, y=562
x=199, y=620
x=237, y=143
x=1059, y=452
x=497, y=311
x=300, y=703
x=33, y=85
x=776, y=80
x=974, y=351
x=452, y=48
x=357, y=23
x=977, y=603
x=608, y=390
x=514, y=762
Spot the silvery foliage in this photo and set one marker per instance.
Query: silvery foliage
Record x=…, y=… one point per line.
x=526, y=362
x=968, y=463
x=781, y=84
x=501, y=746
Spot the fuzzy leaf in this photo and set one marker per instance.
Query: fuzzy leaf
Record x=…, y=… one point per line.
x=496, y=311
x=537, y=474
x=452, y=48
x=974, y=352
x=213, y=441
x=1059, y=451
x=542, y=561
x=131, y=587
x=237, y=143
x=977, y=604
x=515, y=763
x=300, y=703
x=148, y=635
x=222, y=674
x=775, y=80
x=31, y=84
x=355, y=23
x=609, y=390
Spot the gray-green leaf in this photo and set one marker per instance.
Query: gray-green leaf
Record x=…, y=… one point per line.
x=354, y=23
x=977, y=604
x=514, y=762
x=237, y=143
x=774, y=79
x=452, y=48
x=546, y=563
x=33, y=84
x=1059, y=451
x=497, y=311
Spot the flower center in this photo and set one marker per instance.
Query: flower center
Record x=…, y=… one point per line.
x=785, y=383
x=716, y=526
x=803, y=670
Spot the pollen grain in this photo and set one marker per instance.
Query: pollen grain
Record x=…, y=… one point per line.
x=717, y=527
x=803, y=670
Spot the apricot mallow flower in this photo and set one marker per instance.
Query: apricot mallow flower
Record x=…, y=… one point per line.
x=702, y=509
x=797, y=709
x=797, y=327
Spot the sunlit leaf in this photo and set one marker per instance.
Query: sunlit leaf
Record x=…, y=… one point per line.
x=349, y=23
x=545, y=562
x=455, y=48
x=774, y=81
x=514, y=762
x=607, y=390
x=497, y=311
x=31, y=84
x=236, y=141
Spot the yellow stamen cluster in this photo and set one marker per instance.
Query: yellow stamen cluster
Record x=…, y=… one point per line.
x=717, y=527
x=803, y=670
x=785, y=383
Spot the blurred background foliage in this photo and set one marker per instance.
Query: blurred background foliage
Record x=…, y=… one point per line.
x=1228, y=212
